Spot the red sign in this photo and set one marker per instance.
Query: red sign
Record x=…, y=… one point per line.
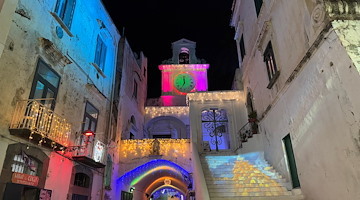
x=24, y=179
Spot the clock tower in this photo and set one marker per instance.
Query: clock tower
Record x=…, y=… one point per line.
x=182, y=74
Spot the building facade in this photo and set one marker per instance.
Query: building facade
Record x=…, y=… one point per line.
x=299, y=68
x=58, y=65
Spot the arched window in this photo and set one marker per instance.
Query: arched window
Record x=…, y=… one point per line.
x=22, y=163
x=82, y=180
x=184, y=56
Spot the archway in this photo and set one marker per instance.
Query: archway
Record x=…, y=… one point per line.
x=166, y=127
x=149, y=178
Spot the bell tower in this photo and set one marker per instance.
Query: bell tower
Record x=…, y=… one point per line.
x=182, y=74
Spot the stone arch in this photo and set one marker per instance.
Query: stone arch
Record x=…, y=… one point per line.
x=75, y=189
x=165, y=126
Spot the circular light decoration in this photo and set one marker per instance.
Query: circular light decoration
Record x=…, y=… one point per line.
x=59, y=32
x=167, y=181
x=184, y=82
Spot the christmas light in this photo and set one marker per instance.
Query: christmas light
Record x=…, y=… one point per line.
x=156, y=111
x=215, y=96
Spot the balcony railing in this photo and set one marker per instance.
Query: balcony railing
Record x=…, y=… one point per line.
x=247, y=131
x=92, y=154
x=40, y=124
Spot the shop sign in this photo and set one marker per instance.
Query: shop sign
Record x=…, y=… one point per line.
x=24, y=179
x=99, y=151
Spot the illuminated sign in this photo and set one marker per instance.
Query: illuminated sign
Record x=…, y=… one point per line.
x=24, y=179
x=99, y=150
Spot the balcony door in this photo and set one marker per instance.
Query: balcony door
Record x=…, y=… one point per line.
x=45, y=85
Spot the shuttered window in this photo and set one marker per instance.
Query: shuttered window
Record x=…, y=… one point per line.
x=100, y=53
x=65, y=10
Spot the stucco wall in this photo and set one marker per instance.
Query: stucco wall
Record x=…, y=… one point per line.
x=80, y=81
x=315, y=98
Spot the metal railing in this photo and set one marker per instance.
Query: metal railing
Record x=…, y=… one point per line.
x=40, y=119
x=247, y=132
x=95, y=150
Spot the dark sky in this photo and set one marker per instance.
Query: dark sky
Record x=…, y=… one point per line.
x=152, y=25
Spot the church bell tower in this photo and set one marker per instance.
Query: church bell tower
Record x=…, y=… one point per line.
x=182, y=74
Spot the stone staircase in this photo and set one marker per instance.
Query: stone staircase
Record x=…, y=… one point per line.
x=244, y=177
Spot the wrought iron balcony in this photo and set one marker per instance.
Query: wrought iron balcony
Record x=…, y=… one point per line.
x=247, y=131
x=38, y=123
x=91, y=154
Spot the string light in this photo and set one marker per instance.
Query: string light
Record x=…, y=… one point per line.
x=172, y=148
x=215, y=96
x=41, y=120
x=156, y=111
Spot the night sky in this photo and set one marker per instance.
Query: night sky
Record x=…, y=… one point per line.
x=152, y=25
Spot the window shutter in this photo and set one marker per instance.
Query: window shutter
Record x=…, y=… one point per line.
x=98, y=51
x=69, y=12
x=103, y=55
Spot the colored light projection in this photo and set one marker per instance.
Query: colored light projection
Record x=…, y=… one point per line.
x=198, y=71
x=146, y=175
x=168, y=192
x=157, y=111
x=250, y=173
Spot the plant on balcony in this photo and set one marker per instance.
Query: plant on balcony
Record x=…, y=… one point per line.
x=254, y=128
x=252, y=116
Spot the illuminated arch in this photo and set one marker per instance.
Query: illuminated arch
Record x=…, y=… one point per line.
x=148, y=177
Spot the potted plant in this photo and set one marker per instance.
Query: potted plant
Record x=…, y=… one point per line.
x=254, y=128
x=252, y=116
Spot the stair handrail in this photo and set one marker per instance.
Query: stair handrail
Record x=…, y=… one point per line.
x=247, y=131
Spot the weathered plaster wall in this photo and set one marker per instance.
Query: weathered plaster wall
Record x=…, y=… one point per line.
x=80, y=80
x=7, y=9
x=319, y=112
x=315, y=98
x=132, y=69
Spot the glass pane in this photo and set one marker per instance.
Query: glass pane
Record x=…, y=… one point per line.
x=93, y=124
x=50, y=94
x=39, y=90
x=92, y=111
x=87, y=123
x=47, y=74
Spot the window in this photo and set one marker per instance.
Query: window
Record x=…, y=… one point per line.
x=242, y=48
x=100, y=53
x=258, y=4
x=22, y=163
x=82, y=180
x=126, y=195
x=184, y=56
x=271, y=67
x=135, y=89
x=79, y=197
x=65, y=10
x=45, y=85
x=90, y=117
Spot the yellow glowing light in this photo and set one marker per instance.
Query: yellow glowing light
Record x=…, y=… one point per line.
x=215, y=96
x=156, y=111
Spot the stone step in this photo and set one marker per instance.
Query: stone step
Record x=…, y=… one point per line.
x=245, y=181
x=246, y=194
x=249, y=189
x=297, y=197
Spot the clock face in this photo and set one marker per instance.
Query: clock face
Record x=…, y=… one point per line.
x=184, y=82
